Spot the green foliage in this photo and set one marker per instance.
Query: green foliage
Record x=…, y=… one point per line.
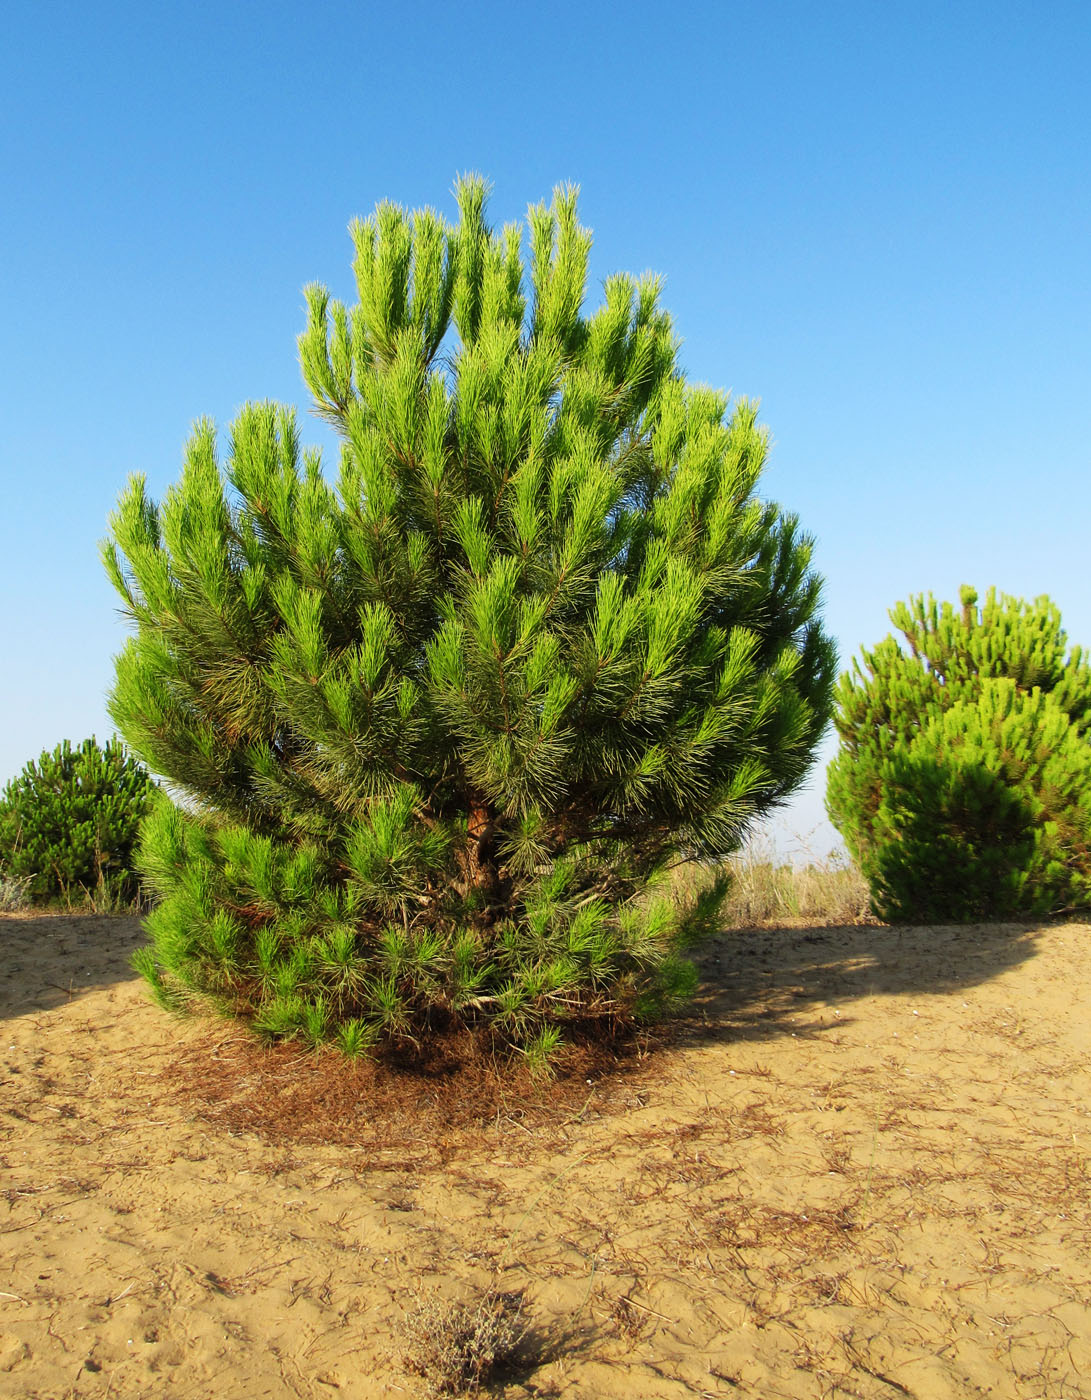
x=963, y=783
x=69, y=822
x=444, y=724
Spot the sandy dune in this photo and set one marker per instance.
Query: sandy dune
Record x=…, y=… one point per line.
x=861, y=1169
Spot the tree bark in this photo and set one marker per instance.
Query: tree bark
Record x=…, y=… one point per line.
x=480, y=864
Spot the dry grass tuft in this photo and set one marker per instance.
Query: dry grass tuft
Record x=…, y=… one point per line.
x=456, y=1347
x=13, y=893
x=629, y=1323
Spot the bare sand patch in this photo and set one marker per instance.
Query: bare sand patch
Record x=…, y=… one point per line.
x=860, y=1168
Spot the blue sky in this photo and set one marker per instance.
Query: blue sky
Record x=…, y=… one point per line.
x=876, y=218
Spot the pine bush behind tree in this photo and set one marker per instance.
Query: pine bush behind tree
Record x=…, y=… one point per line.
x=70, y=821
x=444, y=726
x=963, y=783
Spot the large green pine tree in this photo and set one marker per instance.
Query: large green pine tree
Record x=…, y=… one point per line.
x=963, y=782
x=442, y=728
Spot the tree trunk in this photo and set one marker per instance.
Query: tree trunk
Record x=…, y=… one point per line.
x=479, y=863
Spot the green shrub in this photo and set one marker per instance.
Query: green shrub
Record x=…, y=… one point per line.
x=445, y=727
x=963, y=782
x=69, y=822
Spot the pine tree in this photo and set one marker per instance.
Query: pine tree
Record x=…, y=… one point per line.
x=442, y=728
x=69, y=822
x=963, y=782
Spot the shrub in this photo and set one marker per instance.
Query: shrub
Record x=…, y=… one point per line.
x=445, y=727
x=458, y=1346
x=963, y=782
x=70, y=821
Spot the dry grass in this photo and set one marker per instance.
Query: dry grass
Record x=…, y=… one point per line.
x=767, y=890
x=15, y=897
x=13, y=893
x=457, y=1346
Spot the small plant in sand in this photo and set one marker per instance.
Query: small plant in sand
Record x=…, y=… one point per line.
x=456, y=1347
x=963, y=782
x=444, y=726
x=69, y=822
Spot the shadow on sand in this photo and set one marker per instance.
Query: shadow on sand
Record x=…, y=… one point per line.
x=757, y=984
x=51, y=958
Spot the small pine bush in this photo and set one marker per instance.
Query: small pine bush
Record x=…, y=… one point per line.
x=963, y=782
x=69, y=822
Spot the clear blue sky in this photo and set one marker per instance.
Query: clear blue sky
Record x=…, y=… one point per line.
x=875, y=217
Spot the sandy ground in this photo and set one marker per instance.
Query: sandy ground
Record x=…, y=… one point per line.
x=861, y=1169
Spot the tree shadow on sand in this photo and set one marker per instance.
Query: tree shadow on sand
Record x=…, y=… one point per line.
x=51, y=958
x=757, y=984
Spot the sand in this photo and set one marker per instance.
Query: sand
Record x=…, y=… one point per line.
x=859, y=1169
